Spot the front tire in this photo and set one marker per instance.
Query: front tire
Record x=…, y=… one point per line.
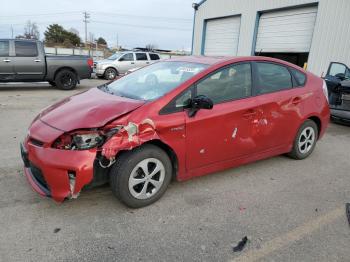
x=305, y=140
x=110, y=73
x=66, y=80
x=141, y=176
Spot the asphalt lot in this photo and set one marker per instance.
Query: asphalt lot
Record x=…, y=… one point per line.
x=290, y=210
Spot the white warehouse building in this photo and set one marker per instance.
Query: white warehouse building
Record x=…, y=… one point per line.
x=315, y=32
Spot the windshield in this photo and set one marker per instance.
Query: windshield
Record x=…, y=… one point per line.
x=152, y=82
x=115, y=56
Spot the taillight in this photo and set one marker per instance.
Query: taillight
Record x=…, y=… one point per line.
x=90, y=62
x=325, y=90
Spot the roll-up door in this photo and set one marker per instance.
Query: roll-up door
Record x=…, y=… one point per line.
x=221, y=36
x=286, y=31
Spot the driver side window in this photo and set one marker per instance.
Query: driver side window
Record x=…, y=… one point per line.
x=230, y=83
x=127, y=57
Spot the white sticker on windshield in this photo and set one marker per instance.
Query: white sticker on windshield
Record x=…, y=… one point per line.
x=187, y=69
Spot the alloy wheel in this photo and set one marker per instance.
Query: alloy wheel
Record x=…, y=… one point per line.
x=306, y=140
x=146, y=178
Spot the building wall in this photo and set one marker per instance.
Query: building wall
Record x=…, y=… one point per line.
x=331, y=38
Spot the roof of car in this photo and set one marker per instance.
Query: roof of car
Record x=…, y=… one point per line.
x=211, y=60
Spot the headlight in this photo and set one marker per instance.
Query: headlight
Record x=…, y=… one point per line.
x=84, y=139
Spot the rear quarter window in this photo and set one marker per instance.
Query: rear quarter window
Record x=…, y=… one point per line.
x=154, y=56
x=299, y=77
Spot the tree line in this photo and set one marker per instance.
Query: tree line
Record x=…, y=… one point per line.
x=56, y=34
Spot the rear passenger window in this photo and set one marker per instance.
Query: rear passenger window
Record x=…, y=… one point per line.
x=26, y=48
x=299, y=76
x=271, y=78
x=154, y=56
x=4, y=48
x=141, y=56
x=230, y=83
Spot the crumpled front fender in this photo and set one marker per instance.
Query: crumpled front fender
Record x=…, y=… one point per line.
x=130, y=136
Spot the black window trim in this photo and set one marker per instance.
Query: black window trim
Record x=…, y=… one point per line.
x=295, y=83
x=165, y=110
x=25, y=41
x=170, y=108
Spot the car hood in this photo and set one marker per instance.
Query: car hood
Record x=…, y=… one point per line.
x=105, y=62
x=91, y=109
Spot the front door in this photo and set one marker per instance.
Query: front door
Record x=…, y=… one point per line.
x=224, y=132
x=6, y=62
x=126, y=62
x=29, y=63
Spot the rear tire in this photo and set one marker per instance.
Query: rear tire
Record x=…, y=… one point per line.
x=141, y=176
x=305, y=140
x=66, y=80
x=110, y=73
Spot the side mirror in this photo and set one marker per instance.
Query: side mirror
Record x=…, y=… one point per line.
x=199, y=102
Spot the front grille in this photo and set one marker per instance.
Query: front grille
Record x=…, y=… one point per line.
x=38, y=175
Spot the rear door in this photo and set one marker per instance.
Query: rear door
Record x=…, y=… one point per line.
x=6, y=62
x=142, y=59
x=224, y=132
x=279, y=105
x=29, y=61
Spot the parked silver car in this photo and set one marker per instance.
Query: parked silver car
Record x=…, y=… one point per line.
x=119, y=63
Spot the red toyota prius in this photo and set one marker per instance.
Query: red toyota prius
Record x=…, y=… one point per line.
x=178, y=118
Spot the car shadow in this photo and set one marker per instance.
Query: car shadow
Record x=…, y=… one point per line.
x=35, y=87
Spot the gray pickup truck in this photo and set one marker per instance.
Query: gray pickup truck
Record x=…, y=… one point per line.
x=25, y=61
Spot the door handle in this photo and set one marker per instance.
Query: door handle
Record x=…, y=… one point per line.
x=132, y=63
x=147, y=62
x=296, y=100
x=249, y=113
x=37, y=60
x=7, y=60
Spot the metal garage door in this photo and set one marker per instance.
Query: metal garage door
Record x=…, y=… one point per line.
x=286, y=31
x=221, y=36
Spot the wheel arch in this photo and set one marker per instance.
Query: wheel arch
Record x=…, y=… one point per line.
x=170, y=152
x=113, y=67
x=65, y=68
x=318, y=122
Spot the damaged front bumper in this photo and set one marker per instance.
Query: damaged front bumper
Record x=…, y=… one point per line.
x=58, y=174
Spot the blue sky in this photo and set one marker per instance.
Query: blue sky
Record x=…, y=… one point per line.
x=165, y=23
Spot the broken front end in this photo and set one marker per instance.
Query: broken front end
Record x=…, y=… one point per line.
x=60, y=164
